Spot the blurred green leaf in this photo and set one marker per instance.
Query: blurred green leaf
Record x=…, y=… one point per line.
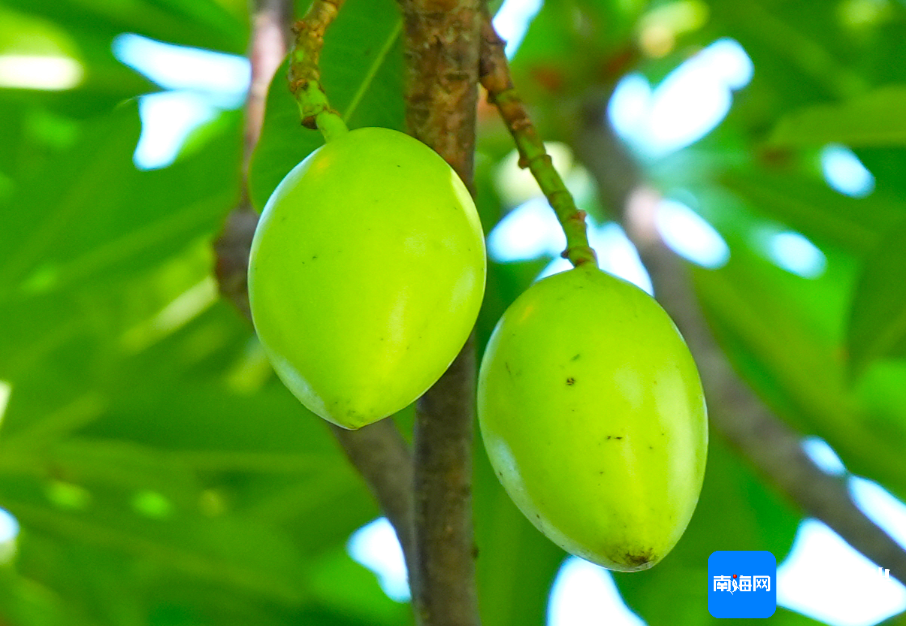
x=873, y=119
x=516, y=564
x=877, y=325
x=810, y=206
x=90, y=220
x=201, y=23
x=799, y=367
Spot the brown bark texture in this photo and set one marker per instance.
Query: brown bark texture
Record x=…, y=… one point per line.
x=441, y=40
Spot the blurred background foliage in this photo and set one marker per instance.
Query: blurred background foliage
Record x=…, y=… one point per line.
x=158, y=471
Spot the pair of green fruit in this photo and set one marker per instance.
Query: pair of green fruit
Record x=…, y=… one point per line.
x=366, y=276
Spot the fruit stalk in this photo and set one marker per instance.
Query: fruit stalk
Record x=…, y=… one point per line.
x=441, y=40
x=495, y=77
x=304, y=72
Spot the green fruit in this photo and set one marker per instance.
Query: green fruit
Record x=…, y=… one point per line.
x=366, y=274
x=594, y=419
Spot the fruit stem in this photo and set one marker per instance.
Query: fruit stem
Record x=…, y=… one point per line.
x=304, y=73
x=495, y=77
x=331, y=125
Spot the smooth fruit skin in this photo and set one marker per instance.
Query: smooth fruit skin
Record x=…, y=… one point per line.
x=366, y=274
x=593, y=417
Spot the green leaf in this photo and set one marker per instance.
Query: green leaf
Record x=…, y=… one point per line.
x=877, y=324
x=353, y=592
x=873, y=119
x=786, y=339
x=810, y=206
x=224, y=549
x=200, y=23
x=84, y=232
x=361, y=72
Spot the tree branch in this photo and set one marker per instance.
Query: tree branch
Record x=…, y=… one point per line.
x=378, y=450
x=442, y=50
x=735, y=412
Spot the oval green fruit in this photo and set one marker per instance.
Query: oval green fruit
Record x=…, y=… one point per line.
x=366, y=274
x=593, y=417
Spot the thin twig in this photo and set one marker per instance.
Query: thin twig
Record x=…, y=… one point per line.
x=495, y=77
x=441, y=49
x=267, y=49
x=378, y=451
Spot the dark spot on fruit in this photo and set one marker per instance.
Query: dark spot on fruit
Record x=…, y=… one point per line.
x=313, y=257
x=651, y=448
x=575, y=358
x=618, y=437
x=608, y=437
x=570, y=381
x=507, y=365
x=640, y=559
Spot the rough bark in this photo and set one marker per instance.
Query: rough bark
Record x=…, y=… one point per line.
x=441, y=51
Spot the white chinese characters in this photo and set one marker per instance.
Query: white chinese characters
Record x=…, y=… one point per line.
x=741, y=583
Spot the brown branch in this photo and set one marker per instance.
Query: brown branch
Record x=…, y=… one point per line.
x=441, y=49
x=495, y=77
x=735, y=412
x=381, y=454
x=377, y=451
x=268, y=46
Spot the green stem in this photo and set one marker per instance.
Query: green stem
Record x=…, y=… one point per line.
x=495, y=77
x=331, y=125
x=305, y=75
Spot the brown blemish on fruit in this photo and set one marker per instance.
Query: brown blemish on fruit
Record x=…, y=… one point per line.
x=640, y=560
x=570, y=381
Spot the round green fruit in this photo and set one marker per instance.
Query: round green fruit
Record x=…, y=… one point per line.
x=366, y=274
x=593, y=416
